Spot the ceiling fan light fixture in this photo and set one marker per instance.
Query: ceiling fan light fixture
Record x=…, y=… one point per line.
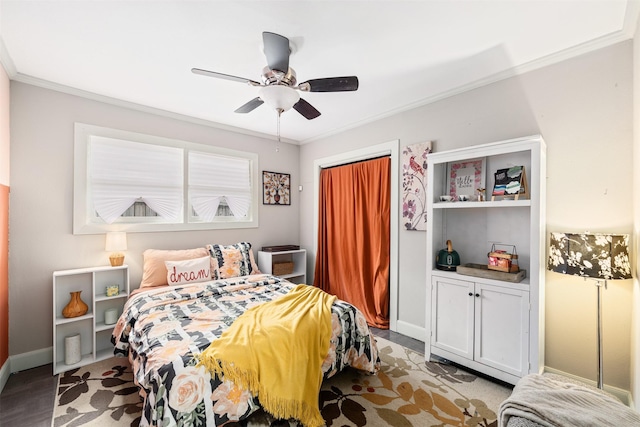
x=279, y=97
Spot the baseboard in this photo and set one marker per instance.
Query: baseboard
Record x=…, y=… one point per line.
x=5, y=371
x=623, y=395
x=31, y=359
x=411, y=330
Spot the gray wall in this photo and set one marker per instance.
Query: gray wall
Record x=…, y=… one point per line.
x=41, y=211
x=583, y=109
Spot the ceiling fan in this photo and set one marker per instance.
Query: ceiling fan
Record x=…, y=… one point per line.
x=278, y=88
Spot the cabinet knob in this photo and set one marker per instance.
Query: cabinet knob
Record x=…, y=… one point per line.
x=470, y=294
x=477, y=295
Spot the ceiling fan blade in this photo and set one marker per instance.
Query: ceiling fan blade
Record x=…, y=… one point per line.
x=250, y=106
x=306, y=109
x=330, y=84
x=224, y=76
x=277, y=51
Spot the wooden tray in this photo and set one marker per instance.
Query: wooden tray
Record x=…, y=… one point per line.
x=482, y=270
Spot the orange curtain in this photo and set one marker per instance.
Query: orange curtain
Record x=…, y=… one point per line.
x=352, y=260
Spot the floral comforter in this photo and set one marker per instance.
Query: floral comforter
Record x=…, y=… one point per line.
x=161, y=330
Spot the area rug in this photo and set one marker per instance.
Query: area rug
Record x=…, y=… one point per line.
x=406, y=392
x=100, y=394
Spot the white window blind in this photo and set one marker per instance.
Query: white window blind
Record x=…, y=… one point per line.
x=122, y=172
x=213, y=178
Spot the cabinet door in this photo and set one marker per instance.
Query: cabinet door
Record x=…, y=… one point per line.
x=452, y=316
x=502, y=328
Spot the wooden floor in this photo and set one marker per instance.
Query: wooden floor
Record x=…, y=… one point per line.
x=27, y=398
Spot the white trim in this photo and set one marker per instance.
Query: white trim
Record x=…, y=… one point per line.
x=631, y=16
x=626, y=33
x=34, y=81
x=411, y=330
x=82, y=216
x=554, y=58
x=623, y=395
x=388, y=148
x=21, y=362
x=31, y=359
x=6, y=61
x=5, y=371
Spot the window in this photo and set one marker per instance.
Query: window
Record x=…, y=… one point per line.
x=215, y=179
x=137, y=182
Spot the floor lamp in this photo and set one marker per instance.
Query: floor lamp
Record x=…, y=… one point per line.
x=601, y=257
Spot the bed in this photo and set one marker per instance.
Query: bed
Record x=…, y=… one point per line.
x=164, y=329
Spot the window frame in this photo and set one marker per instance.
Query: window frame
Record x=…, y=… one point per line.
x=86, y=222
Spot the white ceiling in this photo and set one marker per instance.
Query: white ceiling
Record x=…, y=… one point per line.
x=405, y=53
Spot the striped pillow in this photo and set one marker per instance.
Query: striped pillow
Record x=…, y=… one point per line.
x=232, y=260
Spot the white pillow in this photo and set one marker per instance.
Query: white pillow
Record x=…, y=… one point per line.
x=188, y=271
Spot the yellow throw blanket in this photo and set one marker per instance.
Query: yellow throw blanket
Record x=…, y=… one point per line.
x=276, y=350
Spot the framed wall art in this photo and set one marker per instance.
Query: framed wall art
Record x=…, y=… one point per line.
x=510, y=182
x=466, y=177
x=414, y=185
x=276, y=188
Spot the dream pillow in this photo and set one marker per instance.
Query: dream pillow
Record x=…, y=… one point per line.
x=155, y=271
x=188, y=271
x=232, y=260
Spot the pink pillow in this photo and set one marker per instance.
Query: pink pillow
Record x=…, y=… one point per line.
x=188, y=271
x=154, y=270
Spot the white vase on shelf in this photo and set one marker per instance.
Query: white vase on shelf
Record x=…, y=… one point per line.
x=72, y=353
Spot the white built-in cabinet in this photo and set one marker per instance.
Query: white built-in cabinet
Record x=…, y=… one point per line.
x=95, y=335
x=491, y=326
x=483, y=323
x=267, y=259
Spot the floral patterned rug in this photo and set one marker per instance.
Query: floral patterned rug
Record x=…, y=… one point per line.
x=406, y=392
x=100, y=394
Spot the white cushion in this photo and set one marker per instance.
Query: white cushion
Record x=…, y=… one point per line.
x=188, y=271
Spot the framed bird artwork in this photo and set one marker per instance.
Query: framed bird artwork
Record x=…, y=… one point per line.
x=414, y=185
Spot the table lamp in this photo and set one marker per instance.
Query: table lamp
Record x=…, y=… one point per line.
x=598, y=256
x=116, y=241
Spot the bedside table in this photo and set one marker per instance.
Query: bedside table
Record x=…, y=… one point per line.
x=266, y=261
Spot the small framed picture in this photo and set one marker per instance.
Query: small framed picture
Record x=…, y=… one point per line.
x=510, y=182
x=276, y=188
x=466, y=178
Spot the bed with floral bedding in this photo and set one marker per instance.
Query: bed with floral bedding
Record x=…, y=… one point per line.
x=163, y=331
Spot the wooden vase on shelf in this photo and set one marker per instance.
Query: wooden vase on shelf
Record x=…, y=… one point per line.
x=76, y=306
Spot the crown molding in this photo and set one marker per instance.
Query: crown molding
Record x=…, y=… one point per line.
x=6, y=61
x=34, y=81
x=632, y=15
x=554, y=58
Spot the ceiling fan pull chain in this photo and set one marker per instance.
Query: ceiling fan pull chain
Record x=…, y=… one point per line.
x=279, y=111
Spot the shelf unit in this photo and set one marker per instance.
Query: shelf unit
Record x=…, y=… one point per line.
x=488, y=325
x=95, y=335
x=298, y=257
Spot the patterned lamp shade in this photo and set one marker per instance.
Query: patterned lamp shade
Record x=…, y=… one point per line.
x=601, y=256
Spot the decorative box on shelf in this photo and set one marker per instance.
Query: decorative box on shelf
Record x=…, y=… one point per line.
x=281, y=268
x=501, y=260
